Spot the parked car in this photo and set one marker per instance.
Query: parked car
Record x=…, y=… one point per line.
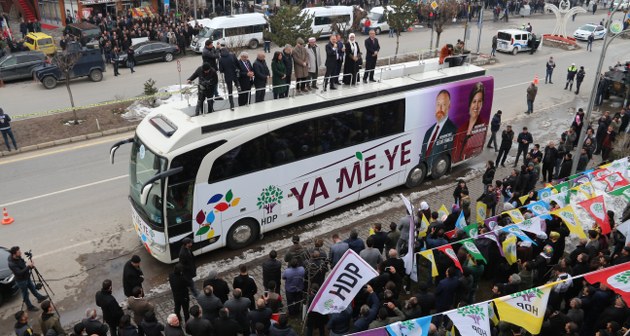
x=150, y=51
x=514, y=41
x=8, y=287
x=40, y=41
x=585, y=31
x=20, y=65
x=624, y=5
x=90, y=64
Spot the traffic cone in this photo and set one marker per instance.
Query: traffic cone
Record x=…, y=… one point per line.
x=536, y=81
x=6, y=220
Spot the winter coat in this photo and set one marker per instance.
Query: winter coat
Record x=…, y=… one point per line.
x=210, y=56
x=95, y=327
x=271, y=270
x=19, y=268
x=261, y=73
x=110, y=307
x=228, y=65
x=210, y=305
x=153, y=328
x=287, y=59
x=532, y=90
x=198, y=327
x=488, y=176
x=495, y=124
x=186, y=258
x=565, y=168
x=506, y=139
x=275, y=330
x=314, y=59
x=278, y=71
x=173, y=331
x=50, y=321
x=300, y=56
x=132, y=277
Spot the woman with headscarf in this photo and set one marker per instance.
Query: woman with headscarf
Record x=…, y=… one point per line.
x=352, y=62
x=279, y=76
x=470, y=136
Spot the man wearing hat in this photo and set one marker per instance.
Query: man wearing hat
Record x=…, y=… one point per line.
x=571, y=71
x=187, y=260
x=132, y=275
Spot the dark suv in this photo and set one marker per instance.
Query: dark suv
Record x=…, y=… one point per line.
x=7, y=280
x=20, y=65
x=90, y=64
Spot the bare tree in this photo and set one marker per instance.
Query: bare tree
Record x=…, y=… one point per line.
x=400, y=18
x=65, y=61
x=445, y=12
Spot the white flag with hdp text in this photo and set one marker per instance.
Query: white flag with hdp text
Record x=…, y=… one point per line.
x=342, y=284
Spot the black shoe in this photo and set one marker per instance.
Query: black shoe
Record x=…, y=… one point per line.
x=550, y=82
x=33, y=309
x=231, y=108
x=371, y=80
x=365, y=81
x=488, y=146
x=502, y=165
x=333, y=87
x=314, y=87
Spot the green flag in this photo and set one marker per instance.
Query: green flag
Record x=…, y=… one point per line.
x=470, y=246
x=472, y=230
x=623, y=191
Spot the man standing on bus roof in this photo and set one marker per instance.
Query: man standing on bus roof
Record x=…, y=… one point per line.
x=314, y=62
x=208, y=81
x=439, y=137
x=245, y=78
x=261, y=76
x=371, y=54
x=331, y=62
x=187, y=260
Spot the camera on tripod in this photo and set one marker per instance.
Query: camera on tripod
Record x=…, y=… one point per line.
x=38, y=284
x=29, y=255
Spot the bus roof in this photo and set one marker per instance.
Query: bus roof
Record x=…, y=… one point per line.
x=236, y=20
x=166, y=129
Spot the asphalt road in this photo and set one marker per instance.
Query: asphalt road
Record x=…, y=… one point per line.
x=71, y=207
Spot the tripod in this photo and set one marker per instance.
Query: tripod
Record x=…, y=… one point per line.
x=41, y=283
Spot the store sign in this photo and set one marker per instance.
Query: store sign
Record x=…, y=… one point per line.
x=96, y=2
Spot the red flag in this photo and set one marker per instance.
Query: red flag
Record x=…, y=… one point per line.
x=597, y=209
x=448, y=250
x=613, y=181
x=450, y=234
x=617, y=278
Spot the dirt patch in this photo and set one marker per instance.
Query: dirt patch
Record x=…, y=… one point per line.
x=54, y=127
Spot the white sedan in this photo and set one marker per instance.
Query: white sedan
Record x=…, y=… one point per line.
x=583, y=32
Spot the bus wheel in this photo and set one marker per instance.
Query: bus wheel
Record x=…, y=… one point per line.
x=441, y=165
x=253, y=44
x=416, y=176
x=242, y=233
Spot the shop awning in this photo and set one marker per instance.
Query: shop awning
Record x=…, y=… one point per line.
x=142, y=12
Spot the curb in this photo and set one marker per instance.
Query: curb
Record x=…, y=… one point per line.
x=65, y=141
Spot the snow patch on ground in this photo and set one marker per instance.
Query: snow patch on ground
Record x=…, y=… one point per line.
x=171, y=97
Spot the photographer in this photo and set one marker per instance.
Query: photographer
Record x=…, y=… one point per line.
x=22, y=271
x=208, y=81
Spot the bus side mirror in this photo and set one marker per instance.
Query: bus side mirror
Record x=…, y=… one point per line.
x=145, y=193
x=114, y=148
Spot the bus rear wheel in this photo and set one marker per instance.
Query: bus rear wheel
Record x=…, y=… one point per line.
x=242, y=233
x=441, y=166
x=416, y=176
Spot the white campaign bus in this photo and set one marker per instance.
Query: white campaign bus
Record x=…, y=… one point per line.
x=235, y=30
x=227, y=177
x=324, y=17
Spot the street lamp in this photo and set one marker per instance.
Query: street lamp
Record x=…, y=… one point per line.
x=591, y=101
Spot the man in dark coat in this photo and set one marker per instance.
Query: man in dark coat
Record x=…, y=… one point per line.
x=187, y=262
x=228, y=65
x=219, y=286
x=132, y=275
x=495, y=125
x=224, y=325
x=110, y=306
x=92, y=325
x=239, y=309
x=524, y=139
x=261, y=314
x=371, y=54
x=210, y=304
x=565, y=167
x=198, y=326
x=246, y=284
x=331, y=62
x=210, y=55
x=179, y=283
x=22, y=272
x=245, y=78
x=507, y=136
x=549, y=161
x=208, y=81
x=271, y=269
x=287, y=59
x=261, y=77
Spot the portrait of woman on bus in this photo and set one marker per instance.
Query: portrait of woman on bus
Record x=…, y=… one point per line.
x=471, y=135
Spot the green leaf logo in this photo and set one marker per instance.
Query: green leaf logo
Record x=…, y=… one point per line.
x=359, y=156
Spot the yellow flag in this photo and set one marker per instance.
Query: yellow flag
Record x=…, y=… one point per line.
x=423, y=227
x=509, y=249
x=587, y=189
x=523, y=199
x=482, y=208
x=526, y=309
x=371, y=232
x=429, y=255
x=570, y=219
x=516, y=215
x=443, y=211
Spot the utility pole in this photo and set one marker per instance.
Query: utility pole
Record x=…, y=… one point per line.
x=480, y=26
x=591, y=101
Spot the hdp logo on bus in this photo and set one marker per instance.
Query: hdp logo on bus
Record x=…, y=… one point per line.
x=205, y=219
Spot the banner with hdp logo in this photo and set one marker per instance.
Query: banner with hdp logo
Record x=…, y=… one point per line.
x=471, y=320
x=525, y=309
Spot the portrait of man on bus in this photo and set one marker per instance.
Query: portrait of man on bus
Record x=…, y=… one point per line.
x=471, y=135
x=439, y=137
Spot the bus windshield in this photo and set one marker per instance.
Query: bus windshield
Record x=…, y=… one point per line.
x=144, y=165
x=206, y=32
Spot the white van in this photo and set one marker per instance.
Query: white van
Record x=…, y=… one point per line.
x=377, y=19
x=324, y=17
x=235, y=30
x=512, y=40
